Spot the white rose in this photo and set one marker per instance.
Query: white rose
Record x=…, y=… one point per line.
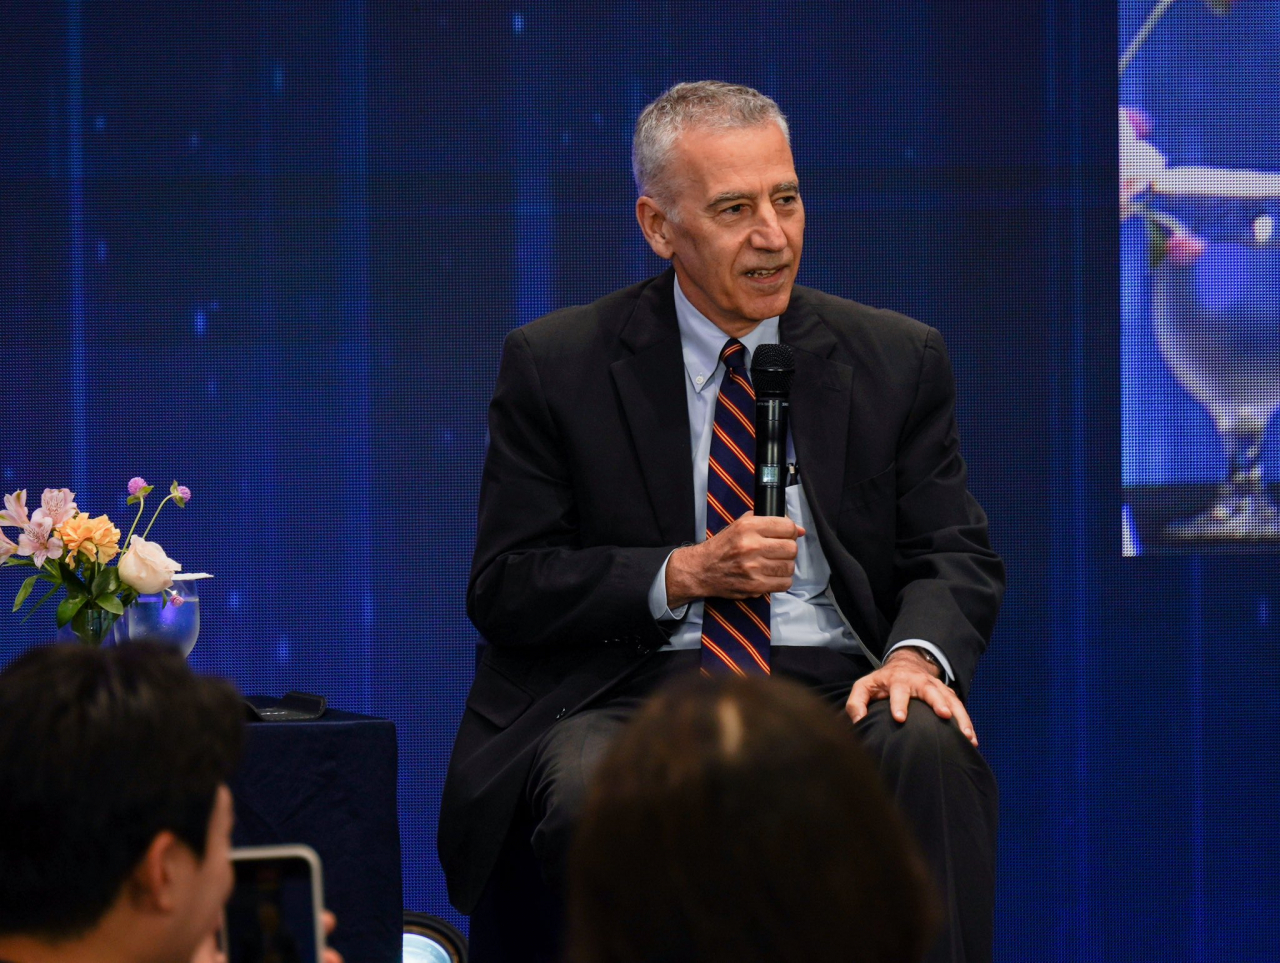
x=146, y=568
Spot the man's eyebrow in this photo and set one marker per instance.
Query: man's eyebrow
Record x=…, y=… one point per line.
x=725, y=197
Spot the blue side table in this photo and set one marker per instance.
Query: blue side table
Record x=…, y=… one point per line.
x=331, y=783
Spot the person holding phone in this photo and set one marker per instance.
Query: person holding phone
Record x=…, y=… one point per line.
x=115, y=815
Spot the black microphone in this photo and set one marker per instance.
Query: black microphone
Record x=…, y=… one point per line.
x=773, y=367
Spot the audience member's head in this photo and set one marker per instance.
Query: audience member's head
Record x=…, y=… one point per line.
x=115, y=818
x=740, y=821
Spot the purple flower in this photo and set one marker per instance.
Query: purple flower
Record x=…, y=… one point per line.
x=184, y=493
x=59, y=504
x=15, y=510
x=35, y=540
x=136, y=485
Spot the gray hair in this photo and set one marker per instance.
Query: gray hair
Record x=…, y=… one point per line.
x=705, y=104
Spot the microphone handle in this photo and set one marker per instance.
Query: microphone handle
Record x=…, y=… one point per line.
x=771, y=455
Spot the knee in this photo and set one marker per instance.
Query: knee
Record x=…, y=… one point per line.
x=563, y=766
x=924, y=738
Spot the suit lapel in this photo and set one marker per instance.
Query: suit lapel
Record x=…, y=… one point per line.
x=821, y=400
x=650, y=384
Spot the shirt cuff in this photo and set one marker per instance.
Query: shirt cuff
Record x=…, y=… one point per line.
x=947, y=676
x=658, y=598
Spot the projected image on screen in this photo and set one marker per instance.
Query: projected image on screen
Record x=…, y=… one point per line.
x=1199, y=202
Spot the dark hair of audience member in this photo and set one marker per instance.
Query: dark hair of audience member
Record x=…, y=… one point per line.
x=101, y=750
x=736, y=821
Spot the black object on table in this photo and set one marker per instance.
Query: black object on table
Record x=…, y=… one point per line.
x=331, y=783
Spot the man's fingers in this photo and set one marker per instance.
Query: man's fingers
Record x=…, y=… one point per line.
x=899, y=696
x=947, y=705
x=965, y=723
x=856, y=707
x=770, y=526
x=939, y=699
x=783, y=548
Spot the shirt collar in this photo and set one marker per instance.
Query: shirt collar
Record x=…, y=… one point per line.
x=701, y=341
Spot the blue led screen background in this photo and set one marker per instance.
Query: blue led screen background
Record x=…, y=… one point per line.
x=1200, y=165
x=272, y=249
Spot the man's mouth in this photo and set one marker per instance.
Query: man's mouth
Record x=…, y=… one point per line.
x=764, y=274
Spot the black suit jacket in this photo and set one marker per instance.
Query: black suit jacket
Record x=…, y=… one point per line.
x=588, y=486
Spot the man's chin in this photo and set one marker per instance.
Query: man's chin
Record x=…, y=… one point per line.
x=770, y=304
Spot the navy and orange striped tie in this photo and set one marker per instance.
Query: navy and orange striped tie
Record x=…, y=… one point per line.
x=735, y=632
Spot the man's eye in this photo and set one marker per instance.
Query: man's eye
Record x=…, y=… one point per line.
x=787, y=199
x=733, y=209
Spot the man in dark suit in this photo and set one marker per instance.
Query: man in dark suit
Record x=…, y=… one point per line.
x=594, y=577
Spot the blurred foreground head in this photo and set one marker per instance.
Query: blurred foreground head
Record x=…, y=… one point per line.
x=112, y=797
x=739, y=820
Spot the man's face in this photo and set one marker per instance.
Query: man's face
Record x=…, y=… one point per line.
x=734, y=225
x=210, y=885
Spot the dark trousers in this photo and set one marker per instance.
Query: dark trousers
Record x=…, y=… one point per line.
x=940, y=782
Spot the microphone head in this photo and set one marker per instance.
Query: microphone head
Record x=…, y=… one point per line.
x=773, y=366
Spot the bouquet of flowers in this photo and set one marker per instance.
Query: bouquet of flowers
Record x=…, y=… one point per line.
x=72, y=553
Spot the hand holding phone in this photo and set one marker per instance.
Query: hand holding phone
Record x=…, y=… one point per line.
x=275, y=913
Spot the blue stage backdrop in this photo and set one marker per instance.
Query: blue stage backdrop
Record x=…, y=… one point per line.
x=271, y=250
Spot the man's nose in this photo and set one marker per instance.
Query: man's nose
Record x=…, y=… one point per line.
x=767, y=234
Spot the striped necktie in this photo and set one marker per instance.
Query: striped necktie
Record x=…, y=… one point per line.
x=735, y=632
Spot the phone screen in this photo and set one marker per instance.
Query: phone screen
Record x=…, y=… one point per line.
x=271, y=913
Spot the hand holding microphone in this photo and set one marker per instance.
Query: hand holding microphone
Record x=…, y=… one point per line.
x=755, y=555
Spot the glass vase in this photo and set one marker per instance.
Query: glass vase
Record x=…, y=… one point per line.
x=1217, y=322
x=90, y=626
x=157, y=617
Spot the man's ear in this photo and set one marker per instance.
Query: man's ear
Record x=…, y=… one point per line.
x=152, y=884
x=655, y=225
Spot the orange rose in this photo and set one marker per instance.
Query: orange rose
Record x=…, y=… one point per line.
x=95, y=538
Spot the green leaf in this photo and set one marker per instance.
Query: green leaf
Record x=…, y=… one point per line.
x=1157, y=243
x=107, y=582
x=18, y=560
x=128, y=597
x=69, y=607
x=44, y=598
x=23, y=592
x=109, y=603
x=143, y=492
x=75, y=587
x=97, y=581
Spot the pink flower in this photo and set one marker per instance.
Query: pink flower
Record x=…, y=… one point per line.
x=1185, y=249
x=59, y=504
x=35, y=539
x=7, y=547
x=1139, y=121
x=136, y=485
x=184, y=493
x=1140, y=163
x=15, y=510
x=176, y=599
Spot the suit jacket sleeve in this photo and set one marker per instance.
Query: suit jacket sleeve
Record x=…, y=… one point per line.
x=532, y=580
x=949, y=580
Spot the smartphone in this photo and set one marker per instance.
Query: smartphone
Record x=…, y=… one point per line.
x=274, y=913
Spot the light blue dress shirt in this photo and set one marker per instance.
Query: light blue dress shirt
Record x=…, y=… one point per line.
x=806, y=614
